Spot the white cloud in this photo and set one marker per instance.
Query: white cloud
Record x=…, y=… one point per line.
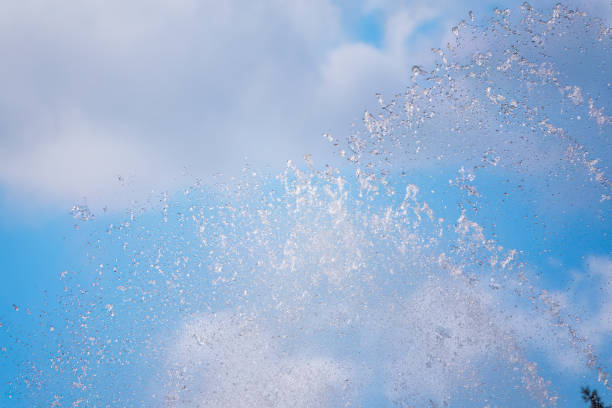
x=197, y=84
x=75, y=158
x=180, y=83
x=187, y=83
x=441, y=343
x=598, y=324
x=229, y=360
x=585, y=307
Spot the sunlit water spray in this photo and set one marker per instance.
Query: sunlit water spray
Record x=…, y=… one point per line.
x=405, y=276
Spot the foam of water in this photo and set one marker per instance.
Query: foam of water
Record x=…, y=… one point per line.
x=386, y=281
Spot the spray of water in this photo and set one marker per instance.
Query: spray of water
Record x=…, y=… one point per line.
x=404, y=276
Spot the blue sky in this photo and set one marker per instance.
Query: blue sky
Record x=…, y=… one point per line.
x=120, y=107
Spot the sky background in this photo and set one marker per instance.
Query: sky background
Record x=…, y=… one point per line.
x=109, y=103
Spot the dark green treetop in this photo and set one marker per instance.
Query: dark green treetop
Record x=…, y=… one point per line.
x=593, y=398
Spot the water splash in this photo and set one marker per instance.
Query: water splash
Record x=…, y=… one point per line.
x=403, y=277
